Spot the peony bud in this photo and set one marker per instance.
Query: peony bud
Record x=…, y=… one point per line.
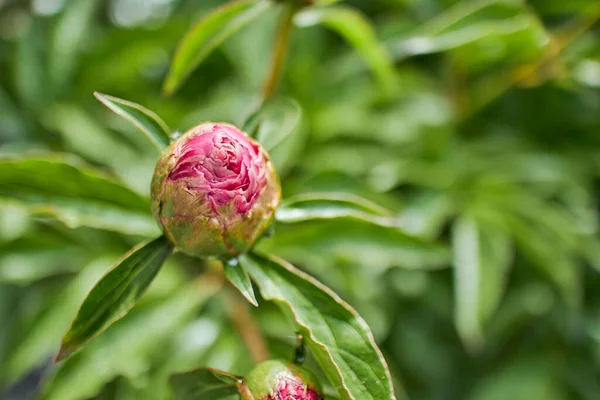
x=214, y=191
x=277, y=380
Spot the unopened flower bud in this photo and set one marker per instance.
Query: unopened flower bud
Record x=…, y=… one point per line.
x=278, y=380
x=214, y=191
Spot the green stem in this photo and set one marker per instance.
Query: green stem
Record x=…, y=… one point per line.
x=247, y=328
x=279, y=51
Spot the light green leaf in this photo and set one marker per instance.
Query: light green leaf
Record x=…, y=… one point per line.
x=74, y=194
x=482, y=257
x=359, y=32
x=337, y=336
x=145, y=120
x=116, y=293
x=22, y=264
x=29, y=66
x=70, y=32
x=427, y=212
x=204, y=383
x=499, y=30
x=464, y=13
x=212, y=30
x=239, y=277
x=273, y=122
x=325, y=206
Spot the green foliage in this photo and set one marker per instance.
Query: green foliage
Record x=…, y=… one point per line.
x=439, y=166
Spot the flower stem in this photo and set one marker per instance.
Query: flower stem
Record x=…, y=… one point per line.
x=246, y=326
x=279, y=51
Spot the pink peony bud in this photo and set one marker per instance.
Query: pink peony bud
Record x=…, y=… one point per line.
x=214, y=191
x=276, y=380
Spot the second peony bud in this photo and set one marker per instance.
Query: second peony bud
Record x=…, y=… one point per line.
x=278, y=380
x=214, y=191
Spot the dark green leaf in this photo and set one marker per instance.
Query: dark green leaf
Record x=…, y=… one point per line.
x=74, y=194
x=116, y=293
x=204, y=384
x=145, y=120
x=310, y=206
x=359, y=32
x=544, y=250
x=14, y=123
x=39, y=343
x=212, y=30
x=239, y=277
x=338, y=337
x=24, y=265
x=273, y=122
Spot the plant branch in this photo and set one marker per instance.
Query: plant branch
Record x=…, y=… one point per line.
x=238, y=310
x=279, y=51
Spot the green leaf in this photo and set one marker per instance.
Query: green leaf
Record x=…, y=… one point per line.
x=212, y=30
x=84, y=135
x=546, y=235
x=74, y=194
x=359, y=32
x=471, y=29
x=129, y=347
x=311, y=206
x=427, y=212
x=145, y=120
x=239, y=277
x=321, y=243
x=204, y=383
x=482, y=258
x=116, y=293
x=273, y=121
x=337, y=336
x=22, y=263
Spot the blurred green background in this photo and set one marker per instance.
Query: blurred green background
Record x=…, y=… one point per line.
x=487, y=144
